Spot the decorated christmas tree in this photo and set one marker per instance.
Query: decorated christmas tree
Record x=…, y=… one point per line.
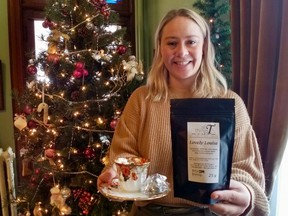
x=76, y=91
x=217, y=15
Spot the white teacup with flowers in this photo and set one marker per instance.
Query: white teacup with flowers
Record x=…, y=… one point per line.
x=132, y=172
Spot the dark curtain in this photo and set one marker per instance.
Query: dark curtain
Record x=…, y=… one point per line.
x=260, y=74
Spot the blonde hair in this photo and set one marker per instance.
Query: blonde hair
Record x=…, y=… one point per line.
x=209, y=81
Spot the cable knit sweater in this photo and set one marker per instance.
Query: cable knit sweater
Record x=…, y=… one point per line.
x=144, y=130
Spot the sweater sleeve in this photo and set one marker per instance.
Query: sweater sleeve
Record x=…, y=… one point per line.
x=247, y=165
x=124, y=142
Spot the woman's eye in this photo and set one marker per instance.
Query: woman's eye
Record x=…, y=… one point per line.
x=191, y=42
x=171, y=43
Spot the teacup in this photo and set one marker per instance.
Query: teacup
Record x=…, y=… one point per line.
x=132, y=172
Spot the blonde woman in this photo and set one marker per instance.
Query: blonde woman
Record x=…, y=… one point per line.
x=183, y=67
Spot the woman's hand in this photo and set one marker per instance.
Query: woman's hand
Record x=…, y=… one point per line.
x=232, y=202
x=107, y=177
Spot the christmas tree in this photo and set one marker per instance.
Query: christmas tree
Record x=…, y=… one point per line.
x=76, y=91
x=217, y=15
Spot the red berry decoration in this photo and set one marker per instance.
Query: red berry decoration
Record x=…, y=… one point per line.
x=121, y=49
x=31, y=69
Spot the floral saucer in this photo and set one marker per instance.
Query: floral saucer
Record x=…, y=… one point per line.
x=121, y=195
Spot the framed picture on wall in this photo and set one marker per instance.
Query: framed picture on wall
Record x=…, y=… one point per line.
x=1, y=88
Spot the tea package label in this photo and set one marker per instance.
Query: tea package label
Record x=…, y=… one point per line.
x=203, y=149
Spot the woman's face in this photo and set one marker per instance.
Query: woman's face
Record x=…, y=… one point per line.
x=181, y=47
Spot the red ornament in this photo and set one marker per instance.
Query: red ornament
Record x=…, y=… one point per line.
x=53, y=58
x=46, y=23
x=77, y=74
x=113, y=123
x=33, y=179
x=28, y=109
x=79, y=65
x=47, y=176
x=52, y=25
x=89, y=152
x=50, y=153
x=79, y=70
x=37, y=171
x=85, y=72
x=32, y=124
x=31, y=69
x=105, y=10
x=121, y=49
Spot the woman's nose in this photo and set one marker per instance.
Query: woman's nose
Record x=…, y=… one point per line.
x=182, y=50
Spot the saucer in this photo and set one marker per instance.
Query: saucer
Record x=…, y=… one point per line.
x=118, y=194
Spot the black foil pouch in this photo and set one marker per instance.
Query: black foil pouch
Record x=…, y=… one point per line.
x=202, y=143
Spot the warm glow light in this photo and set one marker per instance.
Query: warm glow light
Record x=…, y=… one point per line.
x=74, y=151
x=100, y=120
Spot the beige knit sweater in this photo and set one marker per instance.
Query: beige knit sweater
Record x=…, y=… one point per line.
x=144, y=130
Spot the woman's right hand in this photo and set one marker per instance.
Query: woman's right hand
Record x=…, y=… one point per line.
x=107, y=177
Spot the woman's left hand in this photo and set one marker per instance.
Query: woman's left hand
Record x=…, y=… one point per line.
x=232, y=202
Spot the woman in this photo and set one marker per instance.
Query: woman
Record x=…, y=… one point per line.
x=183, y=67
